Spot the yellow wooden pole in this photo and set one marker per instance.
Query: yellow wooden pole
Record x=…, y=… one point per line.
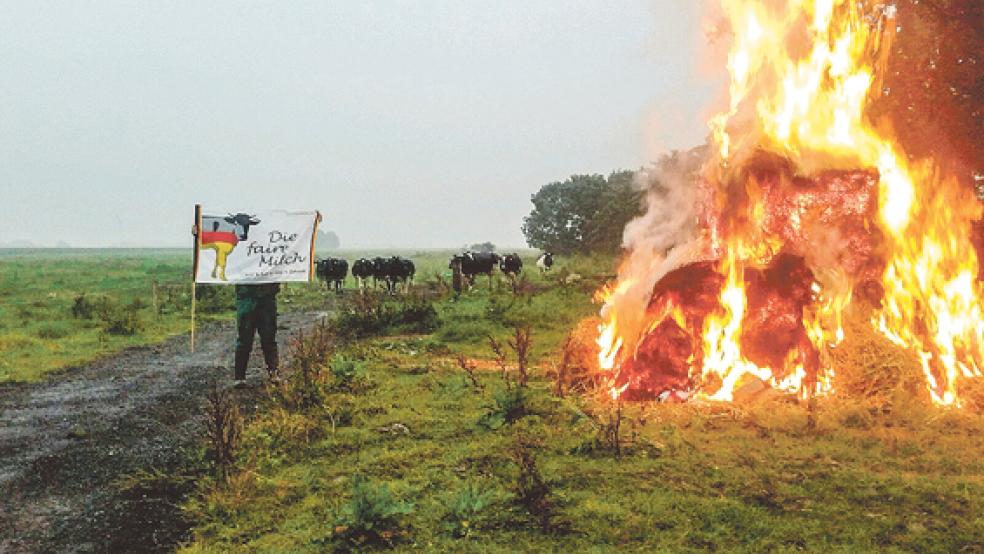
x=193, y=317
x=194, y=276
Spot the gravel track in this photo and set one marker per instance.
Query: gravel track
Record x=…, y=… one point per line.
x=66, y=443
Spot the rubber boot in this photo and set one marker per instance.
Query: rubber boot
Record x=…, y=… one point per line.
x=272, y=359
x=242, y=359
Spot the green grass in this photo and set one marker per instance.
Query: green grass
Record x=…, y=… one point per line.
x=749, y=478
x=38, y=333
x=38, y=288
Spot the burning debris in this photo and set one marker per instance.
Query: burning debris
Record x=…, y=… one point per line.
x=803, y=207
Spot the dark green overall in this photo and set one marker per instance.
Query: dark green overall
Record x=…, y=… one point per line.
x=256, y=310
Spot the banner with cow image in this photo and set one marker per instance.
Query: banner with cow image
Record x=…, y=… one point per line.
x=271, y=246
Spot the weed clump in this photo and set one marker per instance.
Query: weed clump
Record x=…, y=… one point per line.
x=368, y=315
x=509, y=405
x=347, y=375
x=223, y=426
x=467, y=509
x=531, y=492
x=371, y=518
x=54, y=330
x=309, y=354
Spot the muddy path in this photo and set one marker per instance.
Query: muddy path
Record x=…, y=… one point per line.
x=68, y=445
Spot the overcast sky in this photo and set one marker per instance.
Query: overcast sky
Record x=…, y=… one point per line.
x=407, y=123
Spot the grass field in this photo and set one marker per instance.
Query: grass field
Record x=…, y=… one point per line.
x=400, y=448
x=379, y=438
x=39, y=288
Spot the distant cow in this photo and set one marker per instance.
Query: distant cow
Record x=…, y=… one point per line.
x=222, y=234
x=332, y=271
x=545, y=262
x=362, y=270
x=380, y=266
x=511, y=265
x=475, y=263
x=399, y=271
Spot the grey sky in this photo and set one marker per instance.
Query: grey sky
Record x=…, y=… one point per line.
x=407, y=123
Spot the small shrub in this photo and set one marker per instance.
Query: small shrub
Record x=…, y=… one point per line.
x=223, y=426
x=54, y=330
x=508, y=406
x=530, y=491
x=500, y=360
x=372, y=517
x=83, y=307
x=347, y=375
x=309, y=355
x=467, y=508
x=469, y=368
x=212, y=299
x=520, y=344
x=367, y=315
x=120, y=320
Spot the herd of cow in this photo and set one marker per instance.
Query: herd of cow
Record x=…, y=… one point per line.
x=395, y=273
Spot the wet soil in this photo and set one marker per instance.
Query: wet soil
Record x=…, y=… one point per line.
x=70, y=446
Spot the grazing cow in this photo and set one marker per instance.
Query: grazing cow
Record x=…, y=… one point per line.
x=362, y=270
x=379, y=271
x=399, y=271
x=511, y=265
x=545, y=262
x=475, y=263
x=332, y=271
x=222, y=234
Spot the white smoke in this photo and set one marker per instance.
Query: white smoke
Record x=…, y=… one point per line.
x=660, y=240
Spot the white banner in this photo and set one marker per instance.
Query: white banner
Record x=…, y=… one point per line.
x=272, y=246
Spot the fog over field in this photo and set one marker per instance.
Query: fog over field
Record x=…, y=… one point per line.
x=415, y=124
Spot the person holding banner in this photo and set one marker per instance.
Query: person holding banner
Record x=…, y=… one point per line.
x=256, y=311
x=255, y=251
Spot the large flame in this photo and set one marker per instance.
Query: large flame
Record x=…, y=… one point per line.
x=802, y=73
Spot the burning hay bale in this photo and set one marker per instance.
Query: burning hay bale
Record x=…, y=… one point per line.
x=772, y=330
x=803, y=206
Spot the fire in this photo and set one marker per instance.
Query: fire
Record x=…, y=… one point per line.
x=801, y=79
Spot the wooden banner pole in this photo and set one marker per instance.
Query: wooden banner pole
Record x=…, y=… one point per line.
x=194, y=276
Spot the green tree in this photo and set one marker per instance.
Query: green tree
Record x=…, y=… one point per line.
x=327, y=240
x=585, y=213
x=482, y=247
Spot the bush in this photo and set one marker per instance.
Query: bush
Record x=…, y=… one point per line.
x=121, y=320
x=83, y=308
x=509, y=405
x=54, y=330
x=371, y=518
x=466, y=509
x=215, y=298
x=347, y=375
x=531, y=492
x=309, y=354
x=369, y=316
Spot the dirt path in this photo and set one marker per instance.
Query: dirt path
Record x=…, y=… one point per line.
x=66, y=443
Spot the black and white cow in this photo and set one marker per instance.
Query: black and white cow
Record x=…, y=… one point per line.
x=511, y=265
x=332, y=271
x=362, y=270
x=380, y=268
x=545, y=262
x=399, y=271
x=475, y=263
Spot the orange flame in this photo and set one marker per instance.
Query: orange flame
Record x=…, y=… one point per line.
x=801, y=78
